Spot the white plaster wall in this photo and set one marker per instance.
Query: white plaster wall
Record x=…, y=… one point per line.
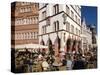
x=61, y=25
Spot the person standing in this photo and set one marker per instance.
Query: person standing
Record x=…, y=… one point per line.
x=45, y=65
x=31, y=65
x=69, y=63
x=78, y=63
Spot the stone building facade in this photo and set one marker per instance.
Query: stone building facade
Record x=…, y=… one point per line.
x=60, y=27
x=24, y=23
x=86, y=37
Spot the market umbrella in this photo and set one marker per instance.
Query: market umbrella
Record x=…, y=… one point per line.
x=74, y=45
x=68, y=44
x=79, y=46
x=32, y=46
x=49, y=43
x=57, y=45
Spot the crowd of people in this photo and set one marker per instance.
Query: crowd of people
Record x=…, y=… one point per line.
x=41, y=61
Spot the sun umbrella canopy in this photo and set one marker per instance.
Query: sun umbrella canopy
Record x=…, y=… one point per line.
x=32, y=46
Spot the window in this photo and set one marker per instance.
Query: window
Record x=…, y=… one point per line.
x=29, y=9
x=23, y=3
x=30, y=20
x=76, y=31
x=56, y=26
x=21, y=21
x=24, y=9
x=21, y=10
x=29, y=35
x=75, y=18
x=48, y=21
x=26, y=35
x=36, y=35
x=76, y=7
x=44, y=29
x=23, y=35
x=16, y=22
x=79, y=32
x=56, y=9
x=72, y=28
x=36, y=5
x=67, y=10
x=19, y=36
x=67, y=26
x=24, y=21
x=44, y=14
x=64, y=37
x=72, y=14
x=78, y=21
x=35, y=20
x=33, y=35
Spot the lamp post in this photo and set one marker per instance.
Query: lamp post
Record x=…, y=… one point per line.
x=64, y=15
x=64, y=18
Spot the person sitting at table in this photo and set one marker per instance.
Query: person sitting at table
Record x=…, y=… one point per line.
x=57, y=63
x=45, y=65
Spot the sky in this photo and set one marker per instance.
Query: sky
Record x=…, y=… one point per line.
x=90, y=14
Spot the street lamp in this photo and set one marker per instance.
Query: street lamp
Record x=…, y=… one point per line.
x=64, y=17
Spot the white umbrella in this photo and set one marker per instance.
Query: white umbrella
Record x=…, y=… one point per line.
x=32, y=46
x=35, y=46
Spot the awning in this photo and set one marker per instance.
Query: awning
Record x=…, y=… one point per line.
x=30, y=46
